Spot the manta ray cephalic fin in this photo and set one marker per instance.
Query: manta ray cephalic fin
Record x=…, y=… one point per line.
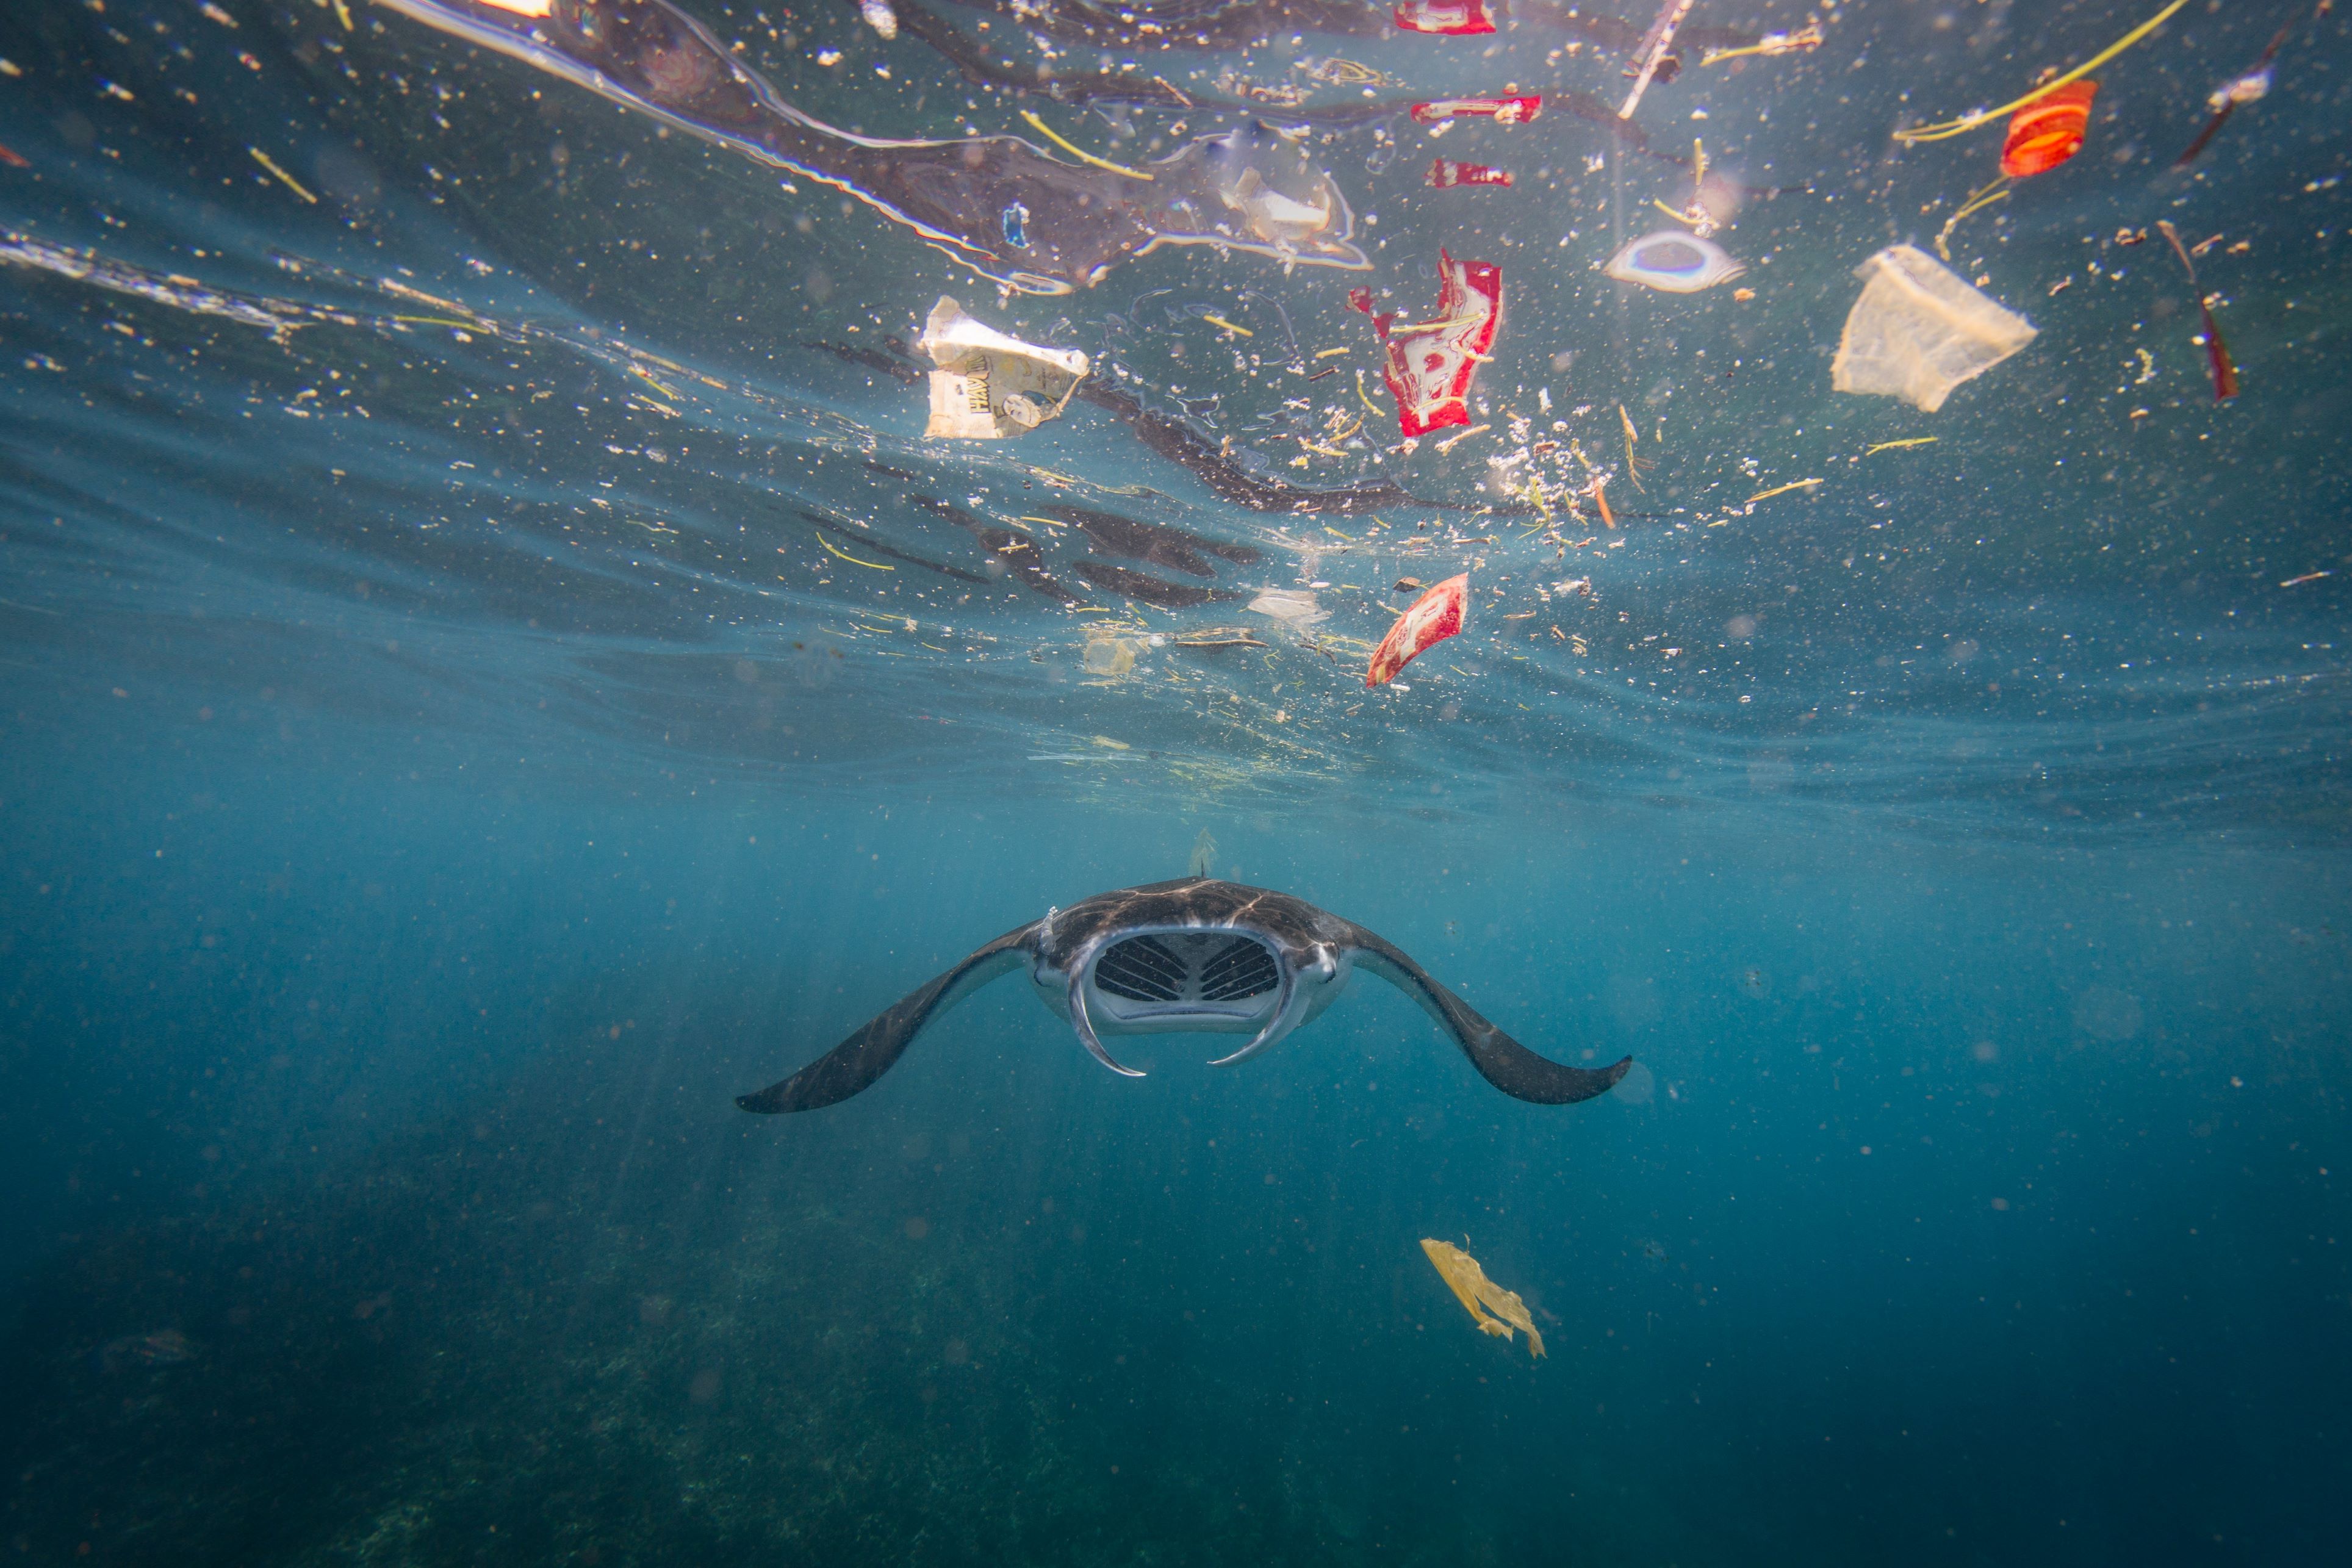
x=1084, y=1023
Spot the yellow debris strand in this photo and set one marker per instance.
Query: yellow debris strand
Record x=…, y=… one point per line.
x=1944, y=129
x=1781, y=491
x=642, y=374
x=853, y=560
x=1084, y=157
x=1327, y=353
x=290, y=183
x=1402, y=328
x=1891, y=446
x=1452, y=441
x=1229, y=326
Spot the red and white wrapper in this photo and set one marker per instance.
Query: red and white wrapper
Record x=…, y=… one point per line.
x=1429, y=364
x=1433, y=617
x=1501, y=110
x=1445, y=172
x=1455, y=19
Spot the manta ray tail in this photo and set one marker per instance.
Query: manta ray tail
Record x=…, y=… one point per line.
x=869, y=1053
x=1500, y=1059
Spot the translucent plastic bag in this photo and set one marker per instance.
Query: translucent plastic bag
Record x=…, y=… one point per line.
x=1918, y=331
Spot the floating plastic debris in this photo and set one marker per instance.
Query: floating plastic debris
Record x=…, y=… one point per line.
x=1501, y=110
x=2217, y=352
x=1273, y=217
x=1444, y=173
x=1482, y=1296
x=1074, y=224
x=2048, y=131
x=1651, y=60
x=1943, y=130
x=1453, y=19
x=1674, y=263
x=880, y=16
x=1109, y=654
x=988, y=385
x=1805, y=37
x=1431, y=363
x=1428, y=621
x=2250, y=86
x=1294, y=608
x=1920, y=329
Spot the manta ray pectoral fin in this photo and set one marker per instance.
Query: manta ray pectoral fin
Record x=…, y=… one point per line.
x=1085, y=1025
x=869, y=1053
x=1500, y=1059
x=1285, y=1016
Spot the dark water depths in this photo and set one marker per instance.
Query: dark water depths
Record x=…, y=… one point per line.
x=449, y=754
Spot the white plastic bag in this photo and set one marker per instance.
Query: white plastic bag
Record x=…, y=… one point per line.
x=989, y=386
x=1920, y=329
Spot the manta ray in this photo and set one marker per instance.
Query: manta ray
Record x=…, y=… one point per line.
x=1192, y=955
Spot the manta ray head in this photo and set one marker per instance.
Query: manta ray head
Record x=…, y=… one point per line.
x=1189, y=977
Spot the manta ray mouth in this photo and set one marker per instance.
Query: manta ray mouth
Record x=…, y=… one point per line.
x=1213, y=967
x=1185, y=980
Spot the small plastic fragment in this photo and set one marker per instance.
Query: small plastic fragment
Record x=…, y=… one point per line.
x=988, y=385
x=1674, y=263
x=1501, y=110
x=2049, y=131
x=1279, y=220
x=1444, y=173
x=1430, y=363
x=1428, y=621
x=880, y=16
x=1920, y=329
x=1107, y=652
x=1482, y=1296
x=1453, y=19
x=1651, y=60
x=1294, y=608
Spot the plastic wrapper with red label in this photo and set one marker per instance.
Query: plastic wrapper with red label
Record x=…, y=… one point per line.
x=1429, y=362
x=1433, y=617
x=1454, y=18
x=1444, y=173
x=1501, y=110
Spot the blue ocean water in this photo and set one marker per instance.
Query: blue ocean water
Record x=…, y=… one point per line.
x=496, y=670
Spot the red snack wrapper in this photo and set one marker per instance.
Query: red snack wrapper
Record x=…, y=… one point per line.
x=1445, y=172
x=1501, y=110
x=1433, y=617
x=1455, y=19
x=1430, y=363
x=2049, y=131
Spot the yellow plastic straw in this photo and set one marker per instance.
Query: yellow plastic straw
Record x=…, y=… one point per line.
x=1086, y=157
x=293, y=184
x=853, y=560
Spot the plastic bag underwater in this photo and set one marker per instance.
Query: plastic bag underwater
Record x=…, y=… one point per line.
x=1920, y=329
x=989, y=385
